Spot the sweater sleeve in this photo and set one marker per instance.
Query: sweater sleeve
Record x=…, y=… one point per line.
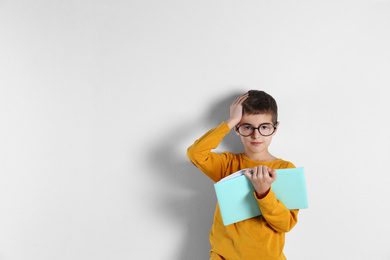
x=212, y=164
x=275, y=212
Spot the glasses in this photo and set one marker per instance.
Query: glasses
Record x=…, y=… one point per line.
x=265, y=129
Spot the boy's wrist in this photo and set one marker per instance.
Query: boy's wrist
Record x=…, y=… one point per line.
x=231, y=123
x=262, y=195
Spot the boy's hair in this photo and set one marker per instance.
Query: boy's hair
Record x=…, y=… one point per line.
x=259, y=102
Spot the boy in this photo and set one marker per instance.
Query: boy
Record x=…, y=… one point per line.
x=254, y=118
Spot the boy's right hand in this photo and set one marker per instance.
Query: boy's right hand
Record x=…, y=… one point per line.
x=261, y=177
x=236, y=111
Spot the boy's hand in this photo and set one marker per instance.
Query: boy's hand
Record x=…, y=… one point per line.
x=262, y=177
x=236, y=111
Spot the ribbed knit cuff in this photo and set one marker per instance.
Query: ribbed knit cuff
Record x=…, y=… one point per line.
x=267, y=203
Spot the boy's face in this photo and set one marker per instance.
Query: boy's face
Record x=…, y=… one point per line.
x=256, y=145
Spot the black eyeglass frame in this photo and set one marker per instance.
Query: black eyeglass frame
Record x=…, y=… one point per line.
x=254, y=128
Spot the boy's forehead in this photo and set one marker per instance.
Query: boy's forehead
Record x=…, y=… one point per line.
x=256, y=119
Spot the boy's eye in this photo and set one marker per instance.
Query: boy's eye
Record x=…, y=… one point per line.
x=248, y=127
x=265, y=127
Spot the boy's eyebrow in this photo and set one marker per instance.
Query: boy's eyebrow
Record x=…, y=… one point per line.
x=257, y=124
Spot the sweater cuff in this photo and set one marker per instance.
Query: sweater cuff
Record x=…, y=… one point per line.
x=267, y=202
x=262, y=197
x=224, y=126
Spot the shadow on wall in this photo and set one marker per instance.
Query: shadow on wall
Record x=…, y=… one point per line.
x=188, y=196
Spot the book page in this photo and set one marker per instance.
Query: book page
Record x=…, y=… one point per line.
x=233, y=175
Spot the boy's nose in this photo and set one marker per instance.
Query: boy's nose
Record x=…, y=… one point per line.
x=255, y=134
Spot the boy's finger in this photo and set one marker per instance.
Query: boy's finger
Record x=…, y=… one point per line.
x=256, y=172
x=259, y=171
x=243, y=98
x=248, y=173
x=236, y=100
x=272, y=173
x=265, y=171
x=253, y=173
x=240, y=98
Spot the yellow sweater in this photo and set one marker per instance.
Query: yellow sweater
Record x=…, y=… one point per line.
x=260, y=237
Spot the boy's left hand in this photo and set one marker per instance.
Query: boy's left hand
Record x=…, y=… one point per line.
x=262, y=177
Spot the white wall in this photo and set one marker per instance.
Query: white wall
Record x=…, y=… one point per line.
x=99, y=101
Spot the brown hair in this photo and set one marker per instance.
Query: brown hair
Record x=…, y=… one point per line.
x=260, y=102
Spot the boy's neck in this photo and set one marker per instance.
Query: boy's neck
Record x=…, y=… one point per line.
x=264, y=157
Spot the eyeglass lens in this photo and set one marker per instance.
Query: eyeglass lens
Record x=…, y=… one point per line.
x=264, y=129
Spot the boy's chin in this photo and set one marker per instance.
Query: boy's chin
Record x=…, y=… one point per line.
x=255, y=149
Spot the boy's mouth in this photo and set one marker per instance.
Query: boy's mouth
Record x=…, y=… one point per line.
x=256, y=143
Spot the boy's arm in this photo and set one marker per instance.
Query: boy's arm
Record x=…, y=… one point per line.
x=212, y=164
x=276, y=214
x=274, y=211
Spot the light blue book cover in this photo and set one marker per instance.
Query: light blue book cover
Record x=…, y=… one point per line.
x=237, y=201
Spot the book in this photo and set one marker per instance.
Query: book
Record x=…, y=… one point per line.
x=237, y=202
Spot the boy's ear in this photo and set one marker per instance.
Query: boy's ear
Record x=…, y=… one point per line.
x=235, y=130
x=277, y=127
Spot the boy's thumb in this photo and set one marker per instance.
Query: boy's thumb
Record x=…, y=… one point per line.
x=248, y=173
x=272, y=173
